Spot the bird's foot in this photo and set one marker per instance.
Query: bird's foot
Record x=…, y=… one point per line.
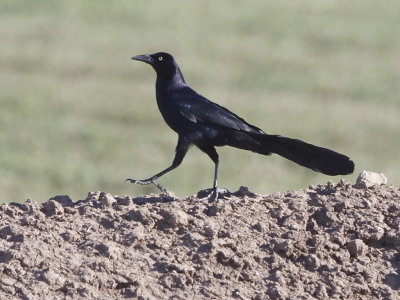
x=148, y=181
x=212, y=194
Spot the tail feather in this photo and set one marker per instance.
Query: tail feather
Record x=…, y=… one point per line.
x=310, y=156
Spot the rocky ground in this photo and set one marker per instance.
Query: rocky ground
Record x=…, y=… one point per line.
x=332, y=241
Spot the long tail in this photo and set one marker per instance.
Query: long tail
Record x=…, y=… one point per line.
x=310, y=156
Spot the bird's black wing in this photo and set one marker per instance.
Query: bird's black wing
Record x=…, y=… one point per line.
x=197, y=108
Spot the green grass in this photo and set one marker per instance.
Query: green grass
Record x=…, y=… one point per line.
x=78, y=115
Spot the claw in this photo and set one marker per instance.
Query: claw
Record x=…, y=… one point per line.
x=148, y=181
x=142, y=182
x=160, y=187
x=214, y=195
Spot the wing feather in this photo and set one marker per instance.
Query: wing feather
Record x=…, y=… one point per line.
x=197, y=108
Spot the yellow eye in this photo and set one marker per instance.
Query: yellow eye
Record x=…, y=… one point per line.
x=160, y=58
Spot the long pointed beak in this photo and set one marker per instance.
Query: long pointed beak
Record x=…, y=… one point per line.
x=144, y=57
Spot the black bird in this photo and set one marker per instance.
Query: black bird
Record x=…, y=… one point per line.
x=203, y=123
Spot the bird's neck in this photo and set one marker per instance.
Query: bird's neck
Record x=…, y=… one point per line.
x=170, y=79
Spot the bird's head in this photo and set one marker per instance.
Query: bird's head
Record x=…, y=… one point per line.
x=164, y=64
x=159, y=61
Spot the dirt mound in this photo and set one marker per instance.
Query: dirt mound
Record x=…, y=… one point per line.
x=328, y=241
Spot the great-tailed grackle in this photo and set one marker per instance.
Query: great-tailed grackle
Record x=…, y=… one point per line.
x=203, y=123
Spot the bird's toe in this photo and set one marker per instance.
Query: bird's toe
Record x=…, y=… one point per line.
x=142, y=182
x=212, y=194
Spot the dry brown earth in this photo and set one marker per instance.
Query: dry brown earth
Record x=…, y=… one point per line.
x=332, y=241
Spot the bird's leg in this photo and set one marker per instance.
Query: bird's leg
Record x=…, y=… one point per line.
x=214, y=192
x=215, y=184
x=152, y=180
x=212, y=153
x=181, y=149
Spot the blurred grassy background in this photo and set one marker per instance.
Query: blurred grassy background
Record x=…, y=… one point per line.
x=78, y=115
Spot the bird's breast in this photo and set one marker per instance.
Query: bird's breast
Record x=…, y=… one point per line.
x=175, y=120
